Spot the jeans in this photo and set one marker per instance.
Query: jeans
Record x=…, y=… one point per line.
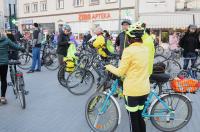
x=3, y=76
x=186, y=60
x=36, y=58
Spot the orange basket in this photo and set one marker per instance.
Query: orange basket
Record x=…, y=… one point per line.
x=185, y=85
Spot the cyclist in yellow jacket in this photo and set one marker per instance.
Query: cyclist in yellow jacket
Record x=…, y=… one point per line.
x=99, y=43
x=134, y=67
x=148, y=41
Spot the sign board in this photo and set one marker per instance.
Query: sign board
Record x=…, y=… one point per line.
x=93, y=16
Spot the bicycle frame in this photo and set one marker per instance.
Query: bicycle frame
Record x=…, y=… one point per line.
x=145, y=112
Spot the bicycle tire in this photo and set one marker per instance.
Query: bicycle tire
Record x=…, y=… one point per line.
x=162, y=59
x=111, y=116
x=50, y=60
x=159, y=50
x=198, y=71
x=164, y=128
x=173, y=68
x=21, y=91
x=85, y=75
x=25, y=65
x=61, y=75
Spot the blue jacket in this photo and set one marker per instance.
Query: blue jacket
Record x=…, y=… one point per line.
x=5, y=44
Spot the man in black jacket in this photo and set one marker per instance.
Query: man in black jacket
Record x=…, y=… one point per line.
x=121, y=41
x=190, y=43
x=63, y=42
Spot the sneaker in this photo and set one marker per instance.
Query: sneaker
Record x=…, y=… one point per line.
x=37, y=70
x=3, y=100
x=30, y=71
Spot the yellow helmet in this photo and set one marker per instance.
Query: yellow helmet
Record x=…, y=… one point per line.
x=136, y=30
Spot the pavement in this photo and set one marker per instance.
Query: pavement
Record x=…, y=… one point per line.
x=51, y=108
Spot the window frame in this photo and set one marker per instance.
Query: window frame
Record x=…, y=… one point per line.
x=106, y=1
x=57, y=4
x=26, y=5
x=78, y=5
x=34, y=3
x=41, y=5
x=195, y=8
x=94, y=3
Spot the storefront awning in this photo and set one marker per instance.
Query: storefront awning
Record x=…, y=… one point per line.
x=167, y=20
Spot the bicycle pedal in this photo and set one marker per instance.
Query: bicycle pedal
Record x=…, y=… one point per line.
x=10, y=84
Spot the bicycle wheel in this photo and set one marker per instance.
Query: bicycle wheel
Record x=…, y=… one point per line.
x=101, y=113
x=173, y=68
x=21, y=91
x=159, y=50
x=171, y=121
x=161, y=59
x=80, y=81
x=26, y=61
x=62, y=75
x=198, y=71
x=51, y=62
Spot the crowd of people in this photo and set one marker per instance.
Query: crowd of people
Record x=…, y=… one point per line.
x=134, y=44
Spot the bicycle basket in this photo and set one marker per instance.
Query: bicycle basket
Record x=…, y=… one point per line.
x=184, y=85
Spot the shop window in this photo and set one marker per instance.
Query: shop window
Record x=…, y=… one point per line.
x=26, y=8
x=35, y=7
x=111, y=1
x=187, y=5
x=78, y=3
x=43, y=5
x=165, y=36
x=94, y=2
x=60, y=4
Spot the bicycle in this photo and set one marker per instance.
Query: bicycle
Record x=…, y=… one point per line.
x=173, y=67
x=159, y=49
x=48, y=59
x=193, y=72
x=103, y=112
x=17, y=82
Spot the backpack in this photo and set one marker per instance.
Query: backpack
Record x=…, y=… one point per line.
x=109, y=47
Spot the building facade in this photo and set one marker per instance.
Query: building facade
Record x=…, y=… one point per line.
x=1, y=14
x=81, y=15
x=168, y=16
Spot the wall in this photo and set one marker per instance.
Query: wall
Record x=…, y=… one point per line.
x=156, y=6
x=69, y=8
x=1, y=14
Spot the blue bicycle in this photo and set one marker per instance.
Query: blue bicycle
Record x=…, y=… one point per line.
x=168, y=112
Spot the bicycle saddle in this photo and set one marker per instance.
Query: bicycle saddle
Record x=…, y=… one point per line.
x=160, y=78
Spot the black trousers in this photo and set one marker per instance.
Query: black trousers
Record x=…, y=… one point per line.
x=3, y=76
x=137, y=123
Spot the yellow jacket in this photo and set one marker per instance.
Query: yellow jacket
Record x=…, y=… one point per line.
x=134, y=67
x=149, y=43
x=99, y=44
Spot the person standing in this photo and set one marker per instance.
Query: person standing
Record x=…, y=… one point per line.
x=63, y=42
x=173, y=41
x=36, y=46
x=190, y=43
x=121, y=41
x=5, y=44
x=134, y=68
